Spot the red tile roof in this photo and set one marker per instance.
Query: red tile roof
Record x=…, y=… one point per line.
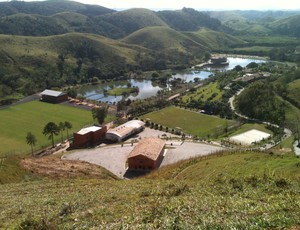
x=148, y=147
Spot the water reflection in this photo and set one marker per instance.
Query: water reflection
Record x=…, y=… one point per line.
x=147, y=88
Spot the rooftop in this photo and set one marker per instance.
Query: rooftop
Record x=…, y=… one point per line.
x=52, y=93
x=89, y=129
x=127, y=127
x=148, y=147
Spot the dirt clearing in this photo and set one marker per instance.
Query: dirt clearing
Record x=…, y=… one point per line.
x=55, y=168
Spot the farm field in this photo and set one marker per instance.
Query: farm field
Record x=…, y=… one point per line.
x=190, y=122
x=16, y=121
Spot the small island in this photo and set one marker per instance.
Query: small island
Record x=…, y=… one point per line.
x=122, y=91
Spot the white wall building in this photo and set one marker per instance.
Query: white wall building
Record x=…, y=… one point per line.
x=125, y=130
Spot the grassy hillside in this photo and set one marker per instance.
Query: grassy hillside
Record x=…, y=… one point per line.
x=224, y=191
x=190, y=122
x=294, y=90
x=164, y=39
x=287, y=26
x=16, y=121
x=134, y=19
x=50, y=7
x=214, y=40
x=189, y=19
x=28, y=63
x=209, y=92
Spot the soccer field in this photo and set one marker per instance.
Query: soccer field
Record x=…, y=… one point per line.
x=16, y=121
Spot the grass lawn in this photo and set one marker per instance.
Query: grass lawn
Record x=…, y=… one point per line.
x=16, y=121
x=190, y=122
x=121, y=91
x=210, y=91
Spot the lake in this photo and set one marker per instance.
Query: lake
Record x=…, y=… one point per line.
x=147, y=88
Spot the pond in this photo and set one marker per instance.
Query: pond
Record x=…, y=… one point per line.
x=147, y=88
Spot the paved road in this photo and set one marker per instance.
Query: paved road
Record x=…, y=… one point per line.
x=33, y=97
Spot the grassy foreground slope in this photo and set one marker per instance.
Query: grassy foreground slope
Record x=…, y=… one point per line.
x=16, y=121
x=225, y=191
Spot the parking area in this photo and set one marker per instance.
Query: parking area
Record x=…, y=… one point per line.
x=113, y=158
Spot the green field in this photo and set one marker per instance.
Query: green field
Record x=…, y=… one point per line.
x=16, y=121
x=210, y=91
x=190, y=122
x=121, y=91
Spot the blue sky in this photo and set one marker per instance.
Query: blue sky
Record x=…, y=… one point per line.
x=198, y=4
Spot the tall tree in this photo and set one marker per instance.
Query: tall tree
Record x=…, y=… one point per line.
x=100, y=114
x=62, y=127
x=30, y=140
x=50, y=130
x=68, y=126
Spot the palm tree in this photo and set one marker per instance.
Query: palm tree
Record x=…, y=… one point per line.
x=31, y=140
x=51, y=129
x=68, y=126
x=62, y=127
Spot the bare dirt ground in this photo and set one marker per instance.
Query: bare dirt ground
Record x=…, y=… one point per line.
x=54, y=167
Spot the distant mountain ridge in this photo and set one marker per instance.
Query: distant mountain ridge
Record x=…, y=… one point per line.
x=49, y=18
x=48, y=8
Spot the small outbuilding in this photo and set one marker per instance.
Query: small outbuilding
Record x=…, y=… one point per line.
x=89, y=136
x=147, y=154
x=53, y=96
x=125, y=130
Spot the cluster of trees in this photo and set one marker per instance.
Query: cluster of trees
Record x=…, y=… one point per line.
x=140, y=107
x=51, y=129
x=259, y=101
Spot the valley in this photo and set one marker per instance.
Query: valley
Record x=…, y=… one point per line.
x=167, y=119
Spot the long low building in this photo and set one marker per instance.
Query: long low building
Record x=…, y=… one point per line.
x=89, y=136
x=53, y=96
x=147, y=154
x=125, y=130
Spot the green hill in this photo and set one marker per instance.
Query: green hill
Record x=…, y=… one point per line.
x=35, y=63
x=294, y=90
x=166, y=40
x=50, y=7
x=188, y=20
x=214, y=40
x=287, y=26
x=30, y=25
x=134, y=19
x=242, y=190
